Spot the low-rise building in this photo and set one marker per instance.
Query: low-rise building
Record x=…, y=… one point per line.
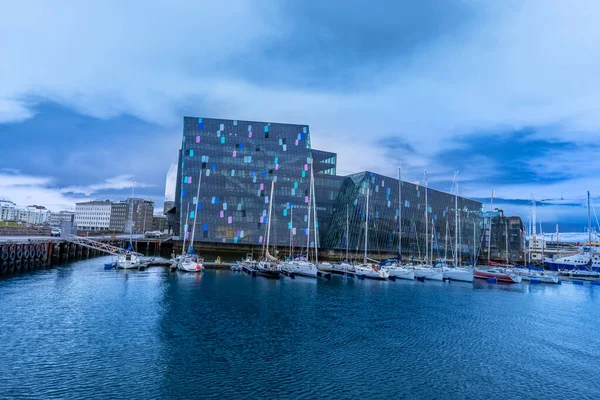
x=121, y=213
x=62, y=217
x=503, y=234
x=35, y=215
x=159, y=223
x=93, y=215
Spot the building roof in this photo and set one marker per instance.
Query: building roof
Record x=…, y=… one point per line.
x=94, y=202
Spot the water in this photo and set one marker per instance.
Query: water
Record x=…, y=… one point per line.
x=79, y=331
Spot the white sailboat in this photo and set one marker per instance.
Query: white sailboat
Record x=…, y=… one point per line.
x=129, y=259
x=367, y=270
x=395, y=269
x=345, y=266
x=192, y=262
x=457, y=273
x=269, y=266
x=427, y=271
x=301, y=265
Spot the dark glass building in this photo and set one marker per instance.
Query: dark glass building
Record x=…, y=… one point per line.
x=237, y=161
x=384, y=212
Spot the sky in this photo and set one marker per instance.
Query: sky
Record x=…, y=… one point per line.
x=93, y=94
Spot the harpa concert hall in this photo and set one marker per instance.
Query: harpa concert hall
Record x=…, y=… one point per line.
x=235, y=161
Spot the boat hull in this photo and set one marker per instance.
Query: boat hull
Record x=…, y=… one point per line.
x=302, y=269
x=402, y=273
x=480, y=274
x=429, y=274
x=271, y=274
x=458, y=275
x=190, y=267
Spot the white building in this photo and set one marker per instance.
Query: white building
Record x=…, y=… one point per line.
x=7, y=210
x=36, y=215
x=93, y=215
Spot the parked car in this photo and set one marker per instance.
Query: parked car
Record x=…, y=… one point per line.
x=55, y=232
x=153, y=234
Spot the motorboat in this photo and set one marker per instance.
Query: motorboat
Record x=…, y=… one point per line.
x=580, y=261
x=371, y=271
x=499, y=273
x=191, y=263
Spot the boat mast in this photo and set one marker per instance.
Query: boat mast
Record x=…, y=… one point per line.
x=399, y=216
x=269, y=221
x=474, y=244
x=131, y=215
x=589, y=230
x=456, y=218
x=446, y=243
x=291, y=231
x=195, y=212
x=433, y=238
x=490, y=228
x=314, y=201
x=187, y=216
x=308, y=223
x=366, y=227
x=426, y=223
x=506, y=236
x=347, y=229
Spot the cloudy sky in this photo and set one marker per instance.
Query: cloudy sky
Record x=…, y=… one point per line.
x=507, y=92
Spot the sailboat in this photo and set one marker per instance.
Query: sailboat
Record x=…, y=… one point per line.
x=457, y=273
x=129, y=259
x=427, y=271
x=395, y=269
x=269, y=266
x=344, y=267
x=192, y=262
x=301, y=265
x=367, y=270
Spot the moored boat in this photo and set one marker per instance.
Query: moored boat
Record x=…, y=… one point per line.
x=343, y=267
x=191, y=263
x=301, y=268
x=268, y=269
x=371, y=271
x=397, y=271
x=458, y=274
x=537, y=276
x=500, y=274
x=128, y=260
x=429, y=273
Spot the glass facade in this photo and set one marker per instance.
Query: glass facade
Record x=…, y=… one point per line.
x=383, y=219
x=236, y=162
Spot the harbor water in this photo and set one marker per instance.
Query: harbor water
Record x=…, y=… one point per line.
x=79, y=331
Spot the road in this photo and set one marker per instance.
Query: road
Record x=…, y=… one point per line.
x=46, y=238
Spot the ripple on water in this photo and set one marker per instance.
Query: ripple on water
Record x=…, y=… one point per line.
x=80, y=331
